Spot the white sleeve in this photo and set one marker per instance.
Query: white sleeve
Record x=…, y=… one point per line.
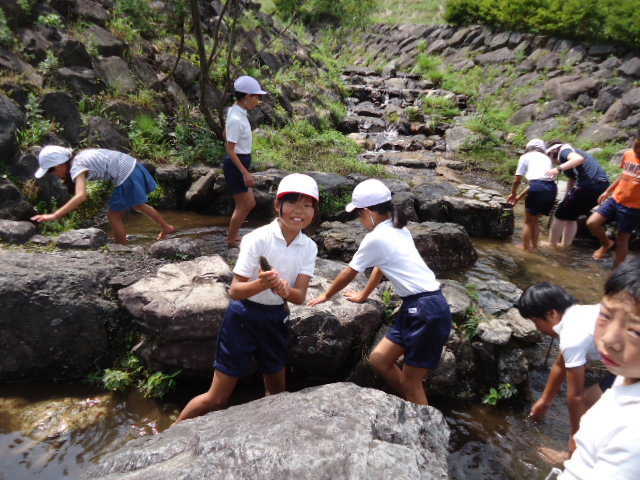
x=77, y=167
x=576, y=355
x=234, y=130
x=248, y=263
x=620, y=456
x=308, y=263
x=522, y=166
x=370, y=254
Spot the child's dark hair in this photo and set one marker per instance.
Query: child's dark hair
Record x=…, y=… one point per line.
x=239, y=95
x=540, y=298
x=625, y=278
x=398, y=215
x=535, y=148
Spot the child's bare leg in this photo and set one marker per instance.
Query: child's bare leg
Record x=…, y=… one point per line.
x=555, y=233
x=216, y=398
x=622, y=248
x=275, y=382
x=535, y=233
x=412, y=378
x=569, y=232
x=528, y=230
x=383, y=360
x=154, y=215
x=116, y=219
x=245, y=202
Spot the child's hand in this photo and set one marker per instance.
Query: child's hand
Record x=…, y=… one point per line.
x=268, y=280
x=283, y=289
x=539, y=409
x=355, y=296
x=44, y=218
x=316, y=301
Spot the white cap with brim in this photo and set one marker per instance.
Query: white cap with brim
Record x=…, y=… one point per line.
x=51, y=156
x=536, y=142
x=248, y=85
x=368, y=193
x=298, y=183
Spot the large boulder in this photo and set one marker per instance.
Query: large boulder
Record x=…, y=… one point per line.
x=13, y=205
x=570, y=87
x=331, y=432
x=56, y=319
x=11, y=119
x=60, y=107
x=16, y=232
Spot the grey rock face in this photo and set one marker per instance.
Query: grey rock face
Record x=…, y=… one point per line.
x=331, y=432
x=114, y=72
x=13, y=205
x=569, y=87
x=87, y=238
x=175, y=247
x=16, y=232
x=59, y=106
x=11, y=119
x=101, y=132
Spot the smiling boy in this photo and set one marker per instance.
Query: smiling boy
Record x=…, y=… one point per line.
x=608, y=442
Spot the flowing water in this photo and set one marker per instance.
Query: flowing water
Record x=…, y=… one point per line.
x=53, y=431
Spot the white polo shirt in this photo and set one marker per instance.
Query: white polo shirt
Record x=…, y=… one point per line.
x=576, y=335
x=289, y=261
x=239, y=129
x=608, y=441
x=394, y=252
x=534, y=165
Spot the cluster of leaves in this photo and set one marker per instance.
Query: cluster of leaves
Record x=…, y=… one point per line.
x=37, y=127
x=505, y=390
x=130, y=372
x=472, y=319
x=299, y=145
x=594, y=20
x=350, y=13
x=6, y=36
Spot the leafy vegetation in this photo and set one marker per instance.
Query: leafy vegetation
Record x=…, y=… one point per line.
x=505, y=390
x=426, y=12
x=595, y=20
x=337, y=12
x=300, y=146
x=37, y=127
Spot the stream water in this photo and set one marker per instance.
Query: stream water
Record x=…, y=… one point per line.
x=53, y=431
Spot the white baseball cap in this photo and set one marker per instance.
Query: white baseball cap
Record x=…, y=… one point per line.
x=51, y=156
x=298, y=183
x=368, y=193
x=536, y=142
x=247, y=84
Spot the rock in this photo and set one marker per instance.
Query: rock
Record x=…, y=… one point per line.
x=500, y=56
x=186, y=73
x=13, y=205
x=554, y=108
x=538, y=129
x=523, y=328
x=11, y=120
x=495, y=332
x=513, y=366
x=79, y=80
x=61, y=108
x=180, y=310
x=458, y=299
x=200, y=193
x=106, y=44
x=88, y=238
x=600, y=133
x=569, y=87
x=328, y=432
x=632, y=98
x=114, y=72
x=175, y=248
x=631, y=67
x=460, y=138
x=12, y=62
x=498, y=296
x=16, y=232
x=73, y=53
x=56, y=318
x=525, y=114
x=102, y=133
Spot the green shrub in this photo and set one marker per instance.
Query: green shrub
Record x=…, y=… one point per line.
x=505, y=390
x=337, y=12
x=37, y=127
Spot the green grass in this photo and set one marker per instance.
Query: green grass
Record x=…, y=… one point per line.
x=301, y=147
x=425, y=12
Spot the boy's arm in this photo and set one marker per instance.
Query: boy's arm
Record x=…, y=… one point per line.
x=554, y=382
x=295, y=294
x=575, y=400
x=361, y=296
x=343, y=279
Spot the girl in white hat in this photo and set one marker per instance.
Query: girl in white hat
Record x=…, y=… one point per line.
x=424, y=323
x=132, y=182
x=255, y=322
x=239, y=144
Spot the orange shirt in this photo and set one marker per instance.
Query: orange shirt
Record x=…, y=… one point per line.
x=627, y=191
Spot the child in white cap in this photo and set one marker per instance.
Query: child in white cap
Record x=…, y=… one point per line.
x=239, y=143
x=541, y=193
x=424, y=323
x=254, y=325
x=132, y=182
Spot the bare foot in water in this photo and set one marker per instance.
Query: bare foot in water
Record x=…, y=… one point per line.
x=234, y=243
x=601, y=252
x=552, y=456
x=166, y=231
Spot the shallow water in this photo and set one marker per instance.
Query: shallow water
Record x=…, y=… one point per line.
x=52, y=431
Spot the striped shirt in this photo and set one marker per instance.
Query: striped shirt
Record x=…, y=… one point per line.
x=103, y=164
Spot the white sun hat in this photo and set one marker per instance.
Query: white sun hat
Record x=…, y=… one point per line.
x=51, y=156
x=298, y=183
x=368, y=193
x=536, y=142
x=249, y=85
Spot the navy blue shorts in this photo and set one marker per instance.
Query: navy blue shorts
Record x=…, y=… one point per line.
x=233, y=176
x=541, y=197
x=422, y=328
x=134, y=190
x=580, y=200
x=252, y=330
x=627, y=219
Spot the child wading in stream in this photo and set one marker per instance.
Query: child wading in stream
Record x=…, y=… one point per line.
x=255, y=322
x=424, y=323
x=132, y=182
